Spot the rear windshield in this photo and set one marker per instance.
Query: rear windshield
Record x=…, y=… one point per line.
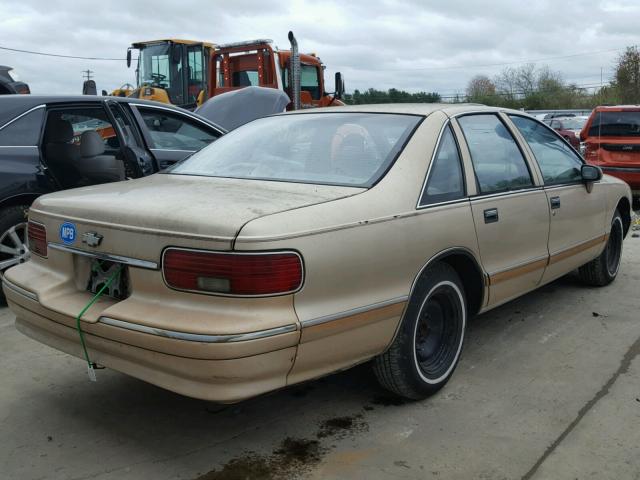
x=616, y=124
x=351, y=149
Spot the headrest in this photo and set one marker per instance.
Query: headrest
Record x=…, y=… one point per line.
x=59, y=131
x=91, y=144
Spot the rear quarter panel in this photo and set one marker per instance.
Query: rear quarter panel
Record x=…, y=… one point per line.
x=360, y=251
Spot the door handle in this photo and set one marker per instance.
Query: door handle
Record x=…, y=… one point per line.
x=491, y=215
x=555, y=202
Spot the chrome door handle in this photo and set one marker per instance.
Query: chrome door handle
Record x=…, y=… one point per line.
x=491, y=215
x=555, y=202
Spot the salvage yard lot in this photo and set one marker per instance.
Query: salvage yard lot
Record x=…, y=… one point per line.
x=548, y=387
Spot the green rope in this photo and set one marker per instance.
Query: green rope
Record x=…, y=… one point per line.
x=90, y=364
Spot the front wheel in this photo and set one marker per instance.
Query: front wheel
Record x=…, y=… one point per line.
x=427, y=347
x=13, y=239
x=603, y=270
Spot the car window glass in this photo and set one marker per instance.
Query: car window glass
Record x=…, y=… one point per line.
x=353, y=149
x=171, y=131
x=497, y=161
x=624, y=123
x=559, y=164
x=446, y=181
x=84, y=119
x=25, y=131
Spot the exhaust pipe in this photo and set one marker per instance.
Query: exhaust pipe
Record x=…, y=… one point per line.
x=294, y=72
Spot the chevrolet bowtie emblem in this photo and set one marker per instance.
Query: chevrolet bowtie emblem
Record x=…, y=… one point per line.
x=92, y=239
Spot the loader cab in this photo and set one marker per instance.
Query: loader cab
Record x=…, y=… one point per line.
x=172, y=71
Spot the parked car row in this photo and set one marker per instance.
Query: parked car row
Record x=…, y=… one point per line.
x=301, y=244
x=55, y=143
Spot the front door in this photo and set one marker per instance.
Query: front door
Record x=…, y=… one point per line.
x=578, y=223
x=510, y=211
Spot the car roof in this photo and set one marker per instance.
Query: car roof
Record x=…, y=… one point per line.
x=617, y=108
x=450, y=109
x=12, y=105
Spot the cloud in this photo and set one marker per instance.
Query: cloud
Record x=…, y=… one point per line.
x=411, y=44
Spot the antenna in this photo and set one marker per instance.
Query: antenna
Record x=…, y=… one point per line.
x=86, y=74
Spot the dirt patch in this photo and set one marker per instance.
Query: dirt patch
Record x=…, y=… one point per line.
x=293, y=457
x=340, y=427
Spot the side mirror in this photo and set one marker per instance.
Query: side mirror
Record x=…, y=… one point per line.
x=339, y=90
x=590, y=173
x=129, y=57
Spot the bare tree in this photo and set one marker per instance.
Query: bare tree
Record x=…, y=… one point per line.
x=479, y=88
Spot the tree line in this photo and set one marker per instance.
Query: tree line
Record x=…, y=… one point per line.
x=529, y=87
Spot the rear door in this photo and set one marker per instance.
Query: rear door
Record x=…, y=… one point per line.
x=172, y=135
x=509, y=210
x=578, y=223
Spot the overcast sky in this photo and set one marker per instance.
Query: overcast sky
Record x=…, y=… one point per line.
x=411, y=45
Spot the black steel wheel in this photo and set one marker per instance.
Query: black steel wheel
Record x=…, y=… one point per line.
x=603, y=269
x=429, y=341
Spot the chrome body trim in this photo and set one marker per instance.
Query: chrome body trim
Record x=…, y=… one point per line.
x=134, y=262
x=520, y=264
x=197, y=337
x=22, y=115
x=19, y=146
x=171, y=150
x=353, y=311
x=18, y=290
x=234, y=252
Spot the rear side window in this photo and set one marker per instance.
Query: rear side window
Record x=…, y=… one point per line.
x=25, y=131
x=446, y=181
x=616, y=124
x=559, y=164
x=497, y=161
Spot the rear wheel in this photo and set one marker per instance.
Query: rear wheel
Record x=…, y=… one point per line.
x=603, y=270
x=13, y=239
x=427, y=347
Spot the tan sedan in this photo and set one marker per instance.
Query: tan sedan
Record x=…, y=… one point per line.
x=305, y=243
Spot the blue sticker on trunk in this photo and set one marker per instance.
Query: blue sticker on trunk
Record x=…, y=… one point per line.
x=68, y=233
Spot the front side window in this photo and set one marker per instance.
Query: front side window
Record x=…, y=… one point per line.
x=558, y=163
x=352, y=149
x=309, y=80
x=172, y=131
x=25, y=131
x=446, y=181
x=497, y=161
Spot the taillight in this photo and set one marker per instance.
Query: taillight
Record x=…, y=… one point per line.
x=37, y=238
x=591, y=149
x=244, y=274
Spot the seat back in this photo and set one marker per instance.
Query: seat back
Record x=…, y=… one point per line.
x=60, y=154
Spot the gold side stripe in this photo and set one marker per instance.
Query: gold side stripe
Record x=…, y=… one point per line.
x=557, y=257
x=542, y=263
x=518, y=271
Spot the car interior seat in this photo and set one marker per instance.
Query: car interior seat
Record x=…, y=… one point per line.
x=94, y=165
x=61, y=154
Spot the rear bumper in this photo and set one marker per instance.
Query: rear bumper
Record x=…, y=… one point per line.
x=220, y=368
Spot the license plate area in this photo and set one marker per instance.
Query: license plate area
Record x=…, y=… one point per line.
x=100, y=273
